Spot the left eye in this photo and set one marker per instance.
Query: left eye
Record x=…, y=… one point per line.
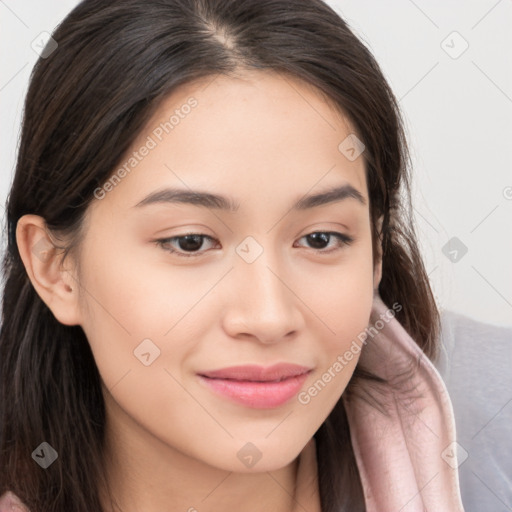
x=318, y=238
x=192, y=242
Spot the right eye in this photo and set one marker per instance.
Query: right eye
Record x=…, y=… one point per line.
x=189, y=245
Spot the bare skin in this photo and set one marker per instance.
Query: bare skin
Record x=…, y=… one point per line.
x=265, y=141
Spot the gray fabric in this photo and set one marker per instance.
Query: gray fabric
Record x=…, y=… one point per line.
x=476, y=365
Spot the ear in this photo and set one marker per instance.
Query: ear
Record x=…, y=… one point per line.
x=377, y=268
x=43, y=262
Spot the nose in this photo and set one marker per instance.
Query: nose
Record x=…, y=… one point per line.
x=262, y=303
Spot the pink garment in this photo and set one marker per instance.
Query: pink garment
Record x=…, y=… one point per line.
x=407, y=459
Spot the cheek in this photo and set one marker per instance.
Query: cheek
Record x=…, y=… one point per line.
x=341, y=295
x=342, y=301
x=139, y=332
x=135, y=309
x=126, y=290
x=345, y=301
x=346, y=310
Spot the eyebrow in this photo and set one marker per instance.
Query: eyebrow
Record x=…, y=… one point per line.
x=219, y=202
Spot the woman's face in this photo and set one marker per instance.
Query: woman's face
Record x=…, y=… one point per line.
x=165, y=314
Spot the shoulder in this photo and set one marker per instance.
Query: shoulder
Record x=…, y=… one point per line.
x=9, y=502
x=475, y=354
x=475, y=363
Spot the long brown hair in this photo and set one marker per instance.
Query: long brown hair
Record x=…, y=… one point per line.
x=87, y=101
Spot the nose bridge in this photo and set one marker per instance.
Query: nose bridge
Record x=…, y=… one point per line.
x=263, y=283
x=263, y=304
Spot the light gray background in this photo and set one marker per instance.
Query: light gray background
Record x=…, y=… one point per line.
x=458, y=114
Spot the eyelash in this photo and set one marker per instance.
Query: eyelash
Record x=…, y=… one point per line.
x=344, y=239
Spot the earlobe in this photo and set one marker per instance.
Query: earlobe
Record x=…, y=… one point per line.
x=43, y=263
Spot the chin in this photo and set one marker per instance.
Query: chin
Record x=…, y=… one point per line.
x=262, y=455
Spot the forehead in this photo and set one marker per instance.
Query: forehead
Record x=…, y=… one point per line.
x=253, y=134
x=264, y=106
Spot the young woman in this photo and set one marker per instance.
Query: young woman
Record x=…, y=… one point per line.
x=213, y=297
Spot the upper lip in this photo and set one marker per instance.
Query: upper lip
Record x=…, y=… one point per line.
x=256, y=373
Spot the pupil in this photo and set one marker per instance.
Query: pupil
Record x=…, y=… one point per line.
x=190, y=242
x=315, y=237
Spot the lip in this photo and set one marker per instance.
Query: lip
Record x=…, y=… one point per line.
x=257, y=386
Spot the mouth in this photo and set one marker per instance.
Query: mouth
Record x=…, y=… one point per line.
x=256, y=386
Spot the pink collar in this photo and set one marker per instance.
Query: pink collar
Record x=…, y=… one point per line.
x=407, y=458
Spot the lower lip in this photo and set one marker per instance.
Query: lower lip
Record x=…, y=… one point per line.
x=258, y=395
